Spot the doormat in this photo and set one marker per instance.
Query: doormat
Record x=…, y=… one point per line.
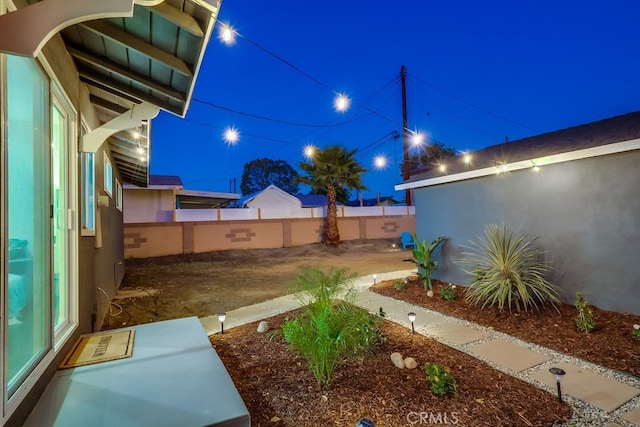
x=96, y=348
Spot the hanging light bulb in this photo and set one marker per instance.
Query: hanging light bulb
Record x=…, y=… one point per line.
x=309, y=150
x=227, y=35
x=380, y=161
x=341, y=103
x=417, y=139
x=231, y=135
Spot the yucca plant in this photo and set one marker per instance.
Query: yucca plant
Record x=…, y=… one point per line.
x=508, y=270
x=329, y=331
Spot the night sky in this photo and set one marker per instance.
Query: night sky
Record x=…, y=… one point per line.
x=477, y=73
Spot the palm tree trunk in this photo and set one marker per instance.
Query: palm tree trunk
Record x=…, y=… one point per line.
x=330, y=235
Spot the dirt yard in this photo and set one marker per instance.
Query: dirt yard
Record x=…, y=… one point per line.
x=171, y=287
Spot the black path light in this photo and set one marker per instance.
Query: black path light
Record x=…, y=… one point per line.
x=558, y=373
x=412, y=318
x=221, y=316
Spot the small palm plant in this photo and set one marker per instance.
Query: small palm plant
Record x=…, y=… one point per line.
x=508, y=271
x=423, y=257
x=330, y=331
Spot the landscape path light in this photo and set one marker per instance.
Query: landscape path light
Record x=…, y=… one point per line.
x=365, y=422
x=375, y=276
x=221, y=316
x=558, y=373
x=412, y=318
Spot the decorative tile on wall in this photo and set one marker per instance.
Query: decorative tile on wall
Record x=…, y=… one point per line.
x=134, y=241
x=390, y=227
x=240, y=235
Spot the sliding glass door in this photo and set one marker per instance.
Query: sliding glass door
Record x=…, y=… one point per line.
x=28, y=220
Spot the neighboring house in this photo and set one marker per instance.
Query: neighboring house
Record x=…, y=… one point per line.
x=271, y=197
x=80, y=83
x=377, y=201
x=158, y=201
x=576, y=189
x=313, y=200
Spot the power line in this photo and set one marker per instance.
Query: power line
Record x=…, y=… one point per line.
x=270, y=119
x=475, y=106
x=304, y=73
x=455, y=114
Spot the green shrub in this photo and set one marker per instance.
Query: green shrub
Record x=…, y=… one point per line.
x=329, y=331
x=440, y=378
x=399, y=284
x=448, y=292
x=508, y=271
x=423, y=257
x=636, y=332
x=584, y=320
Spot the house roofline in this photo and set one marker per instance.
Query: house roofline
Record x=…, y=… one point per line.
x=601, y=150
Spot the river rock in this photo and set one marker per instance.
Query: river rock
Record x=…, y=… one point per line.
x=410, y=363
x=397, y=360
x=263, y=327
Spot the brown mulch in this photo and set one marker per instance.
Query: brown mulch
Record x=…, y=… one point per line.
x=280, y=390
x=611, y=344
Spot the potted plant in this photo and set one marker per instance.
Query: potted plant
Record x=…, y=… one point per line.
x=423, y=257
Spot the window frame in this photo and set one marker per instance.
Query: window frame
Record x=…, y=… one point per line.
x=107, y=175
x=88, y=192
x=62, y=333
x=118, y=195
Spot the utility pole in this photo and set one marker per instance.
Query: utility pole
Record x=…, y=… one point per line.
x=405, y=136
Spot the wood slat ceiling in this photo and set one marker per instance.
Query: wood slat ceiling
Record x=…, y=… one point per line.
x=153, y=56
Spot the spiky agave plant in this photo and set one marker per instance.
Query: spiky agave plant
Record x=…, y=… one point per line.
x=508, y=270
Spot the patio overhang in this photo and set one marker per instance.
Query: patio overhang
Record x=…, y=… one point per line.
x=127, y=53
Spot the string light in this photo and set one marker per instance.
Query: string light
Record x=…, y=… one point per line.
x=417, y=139
x=341, y=103
x=380, y=161
x=227, y=35
x=231, y=135
x=309, y=150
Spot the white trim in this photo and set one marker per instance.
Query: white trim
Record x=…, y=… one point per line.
x=25, y=31
x=601, y=150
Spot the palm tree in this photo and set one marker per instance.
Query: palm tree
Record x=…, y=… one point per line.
x=332, y=169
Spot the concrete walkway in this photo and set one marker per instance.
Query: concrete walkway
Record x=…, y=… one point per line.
x=599, y=396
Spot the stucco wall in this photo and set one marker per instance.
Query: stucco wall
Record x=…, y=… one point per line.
x=150, y=240
x=147, y=205
x=585, y=212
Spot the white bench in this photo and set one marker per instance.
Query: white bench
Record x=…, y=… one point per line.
x=175, y=378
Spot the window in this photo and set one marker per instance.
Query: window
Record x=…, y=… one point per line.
x=88, y=194
x=118, y=195
x=108, y=176
x=28, y=202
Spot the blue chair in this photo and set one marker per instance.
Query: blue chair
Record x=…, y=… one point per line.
x=407, y=240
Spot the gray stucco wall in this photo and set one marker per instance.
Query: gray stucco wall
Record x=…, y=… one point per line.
x=586, y=214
